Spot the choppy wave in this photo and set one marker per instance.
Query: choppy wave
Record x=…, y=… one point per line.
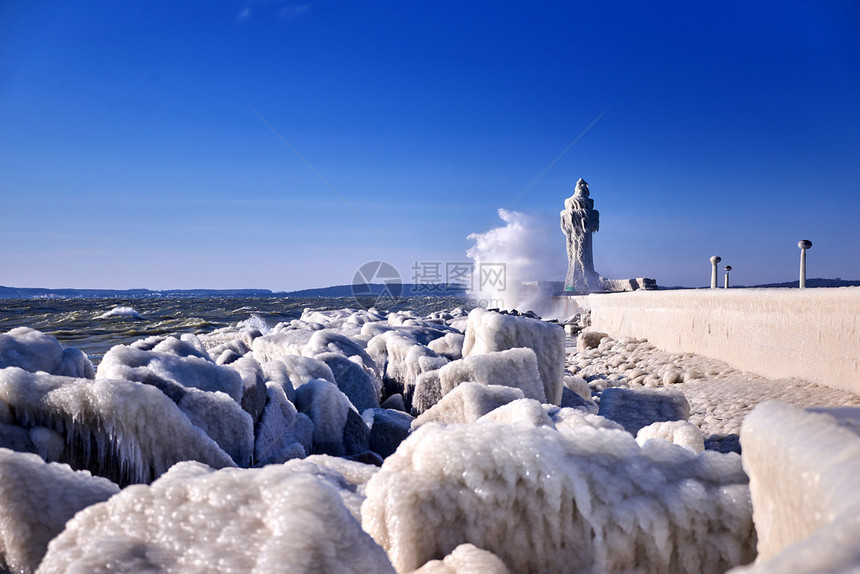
x=122, y=311
x=89, y=325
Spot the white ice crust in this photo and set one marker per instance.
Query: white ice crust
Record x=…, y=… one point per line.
x=516, y=368
x=129, y=426
x=34, y=351
x=36, y=500
x=488, y=331
x=803, y=469
x=581, y=499
x=196, y=520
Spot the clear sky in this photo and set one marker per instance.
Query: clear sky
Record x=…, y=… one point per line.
x=280, y=145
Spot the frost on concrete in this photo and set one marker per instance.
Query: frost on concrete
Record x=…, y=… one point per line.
x=36, y=500
x=719, y=396
x=126, y=431
x=542, y=500
x=516, y=368
x=681, y=433
x=803, y=469
x=195, y=520
x=467, y=403
x=488, y=331
x=634, y=409
x=34, y=351
x=466, y=559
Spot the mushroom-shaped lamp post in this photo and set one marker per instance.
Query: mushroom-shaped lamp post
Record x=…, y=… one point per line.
x=714, y=260
x=804, y=244
x=728, y=268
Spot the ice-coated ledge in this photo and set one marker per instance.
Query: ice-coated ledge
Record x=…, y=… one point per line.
x=811, y=334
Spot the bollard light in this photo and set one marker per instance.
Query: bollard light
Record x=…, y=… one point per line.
x=728, y=268
x=714, y=260
x=804, y=244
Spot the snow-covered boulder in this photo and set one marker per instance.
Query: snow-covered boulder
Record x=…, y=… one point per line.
x=541, y=500
x=402, y=360
x=803, y=468
x=681, y=433
x=466, y=559
x=126, y=431
x=637, y=408
x=283, y=433
x=353, y=380
x=151, y=367
x=516, y=368
x=34, y=351
x=36, y=500
x=338, y=428
x=450, y=346
x=388, y=428
x=527, y=411
x=280, y=518
x=467, y=403
x=488, y=331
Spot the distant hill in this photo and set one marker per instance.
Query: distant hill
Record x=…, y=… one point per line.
x=370, y=289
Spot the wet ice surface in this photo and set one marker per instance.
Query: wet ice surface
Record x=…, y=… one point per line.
x=719, y=396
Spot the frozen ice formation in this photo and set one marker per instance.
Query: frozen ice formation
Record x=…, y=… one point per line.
x=126, y=431
x=283, y=432
x=402, y=359
x=542, y=500
x=195, y=520
x=579, y=220
x=488, y=331
x=36, y=500
x=162, y=368
x=34, y=351
x=210, y=395
x=467, y=403
x=803, y=469
x=338, y=428
x=682, y=433
x=466, y=559
x=515, y=368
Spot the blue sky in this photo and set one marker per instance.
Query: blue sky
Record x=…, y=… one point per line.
x=136, y=149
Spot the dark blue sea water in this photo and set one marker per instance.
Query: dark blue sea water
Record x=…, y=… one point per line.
x=80, y=322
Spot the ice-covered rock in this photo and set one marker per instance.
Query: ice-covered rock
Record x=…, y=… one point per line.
x=563, y=417
x=34, y=351
x=488, y=331
x=516, y=368
x=681, y=433
x=467, y=403
x=803, y=469
x=253, y=386
x=637, y=408
x=573, y=500
x=353, y=380
x=338, y=428
x=571, y=399
x=428, y=392
x=388, y=428
x=193, y=519
x=36, y=501
x=466, y=559
x=589, y=339
x=283, y=433
x=450, y=346
x=124, y=362
x=527, y=411
x=126, y=431
x=328, y=341
x=300, y=369
x=402, y=360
